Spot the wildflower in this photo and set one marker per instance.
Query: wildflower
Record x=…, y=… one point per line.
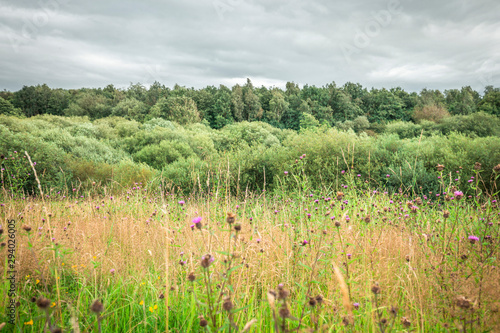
x=356, y=306
x=473, y=239
x=29, y=322
x=458, y=195
x=304, y=243
x=359, y=175
x=182, y=202
x=349, y=256
x=196, y=222
x=112, y=271
x=286, y=173
x=207, y=260
x=141, y=303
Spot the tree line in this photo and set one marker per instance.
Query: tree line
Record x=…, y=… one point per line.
x=344, y=106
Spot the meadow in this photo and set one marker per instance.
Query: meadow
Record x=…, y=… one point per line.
x=343, y=257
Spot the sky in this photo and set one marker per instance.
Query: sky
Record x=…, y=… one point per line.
x=413, y=44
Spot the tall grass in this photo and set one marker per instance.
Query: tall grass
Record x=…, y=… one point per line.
x=342, y=258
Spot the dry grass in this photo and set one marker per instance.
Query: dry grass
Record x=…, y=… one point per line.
x=109, y=239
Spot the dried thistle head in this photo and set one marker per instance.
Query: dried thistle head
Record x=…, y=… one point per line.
x=340, y=195
x=440, y=167
x=284, y=312
x=203, y=322
x=496, y=169
x=375, y=288
x=227, y=305
x=312, y=302
x=463, y=302
x=319, y=299
x=477, y=166
x=393, y=310
x=446, y=214
x=282, y=292
x=230, y=218
x=237, y=227
x=97, y=307
x=367, y=219
x=406, y=323
x=191, y=277
x=55, y=329
x=43, y=303
x=26, y=227
x=419, y=201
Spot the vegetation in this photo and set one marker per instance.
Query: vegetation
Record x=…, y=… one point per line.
x=349, y=260
x=251, y=209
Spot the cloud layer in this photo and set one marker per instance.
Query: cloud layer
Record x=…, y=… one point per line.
x=378, y=43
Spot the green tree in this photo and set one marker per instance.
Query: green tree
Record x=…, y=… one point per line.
x=490, y=103
x=131, y=109
x=8, y=109
x=237, y=104
x=180, y=109
x=278, y=106
x=252, y=110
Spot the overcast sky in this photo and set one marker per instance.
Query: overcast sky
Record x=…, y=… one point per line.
x=414, y=44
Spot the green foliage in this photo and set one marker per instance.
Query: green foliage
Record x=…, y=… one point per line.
x=180, y=109
x=7, y=108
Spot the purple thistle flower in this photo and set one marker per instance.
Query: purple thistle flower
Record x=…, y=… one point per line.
x=197, y=220
x=473, y=239
x=286, y=172
x=182, y=202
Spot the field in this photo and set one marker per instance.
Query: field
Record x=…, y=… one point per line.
x=345, y=259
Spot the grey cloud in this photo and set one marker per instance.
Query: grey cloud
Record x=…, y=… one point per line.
x=196, y=43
